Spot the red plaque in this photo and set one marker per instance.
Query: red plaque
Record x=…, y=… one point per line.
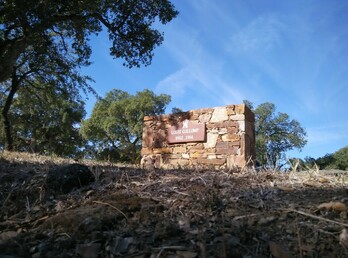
x=186, y=131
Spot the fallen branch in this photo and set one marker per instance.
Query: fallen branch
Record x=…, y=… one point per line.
x=316, y=217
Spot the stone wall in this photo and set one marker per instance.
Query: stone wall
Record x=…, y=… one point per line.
x=220, y=137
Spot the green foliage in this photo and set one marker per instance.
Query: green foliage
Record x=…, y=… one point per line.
x=341, y=158
x=275, y=134
x=176, y=110
x=337, y=160
x=39, y=25
x=48, y=42
x=47, y=121
x=116, y=124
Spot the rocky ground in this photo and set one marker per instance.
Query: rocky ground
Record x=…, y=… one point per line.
x=51, y=209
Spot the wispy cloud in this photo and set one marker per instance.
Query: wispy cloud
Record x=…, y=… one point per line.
x=177, y=83
x=200, y=73
x=260, y=35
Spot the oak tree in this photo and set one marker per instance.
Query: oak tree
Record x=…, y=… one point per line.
x=116, y=124
x=275, y=134
x=49, y=41
x=47, y=121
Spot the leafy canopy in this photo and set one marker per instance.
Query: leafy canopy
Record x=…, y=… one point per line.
x=336, y=160
x=46, y=121
x=69, y=24
x=275, y=134
x=48, y=42
x=116, y=122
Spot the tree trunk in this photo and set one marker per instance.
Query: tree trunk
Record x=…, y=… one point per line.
x=5, y=111
x=9, y=53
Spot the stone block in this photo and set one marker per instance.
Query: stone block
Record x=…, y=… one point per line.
x=183, y=162
x=235, y=161
x=147, y=140
x=241, y=126
x=237, y=117
x=185, y=156
x=146, y=151
x=148, y=118
x=180, y=149
x=204, y=110
x=211, y=156
x=162, y=150
x=194, y=116
x=211, y=140
x=159, y=139
x=227, y=148
x=240, y=109
x=230, y=138
x=196, y=154
x=211, y=161
x=219, y=115
x=223, y=131
x=204, y=118
x=232, y=130
x=230, y=110
x=195, y=147
x=226, y=124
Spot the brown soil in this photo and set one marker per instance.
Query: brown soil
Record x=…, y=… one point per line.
x=128, y=212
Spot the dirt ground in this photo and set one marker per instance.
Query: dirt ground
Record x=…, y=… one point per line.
x=129, y=212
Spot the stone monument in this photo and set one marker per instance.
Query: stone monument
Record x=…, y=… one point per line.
x=220, y=137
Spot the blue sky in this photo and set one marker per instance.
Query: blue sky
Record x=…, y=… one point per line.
x=290, y=53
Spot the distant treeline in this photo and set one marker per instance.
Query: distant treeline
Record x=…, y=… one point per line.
x=336, y=160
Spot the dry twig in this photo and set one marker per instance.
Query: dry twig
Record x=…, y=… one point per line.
x=316, y=217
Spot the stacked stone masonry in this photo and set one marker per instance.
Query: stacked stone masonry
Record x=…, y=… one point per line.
x=228, y=139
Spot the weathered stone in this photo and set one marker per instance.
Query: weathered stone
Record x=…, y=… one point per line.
x=148, y=118
x=147, y=137
x=235, y=161
x=159, y=139
x=196, y=147
x=211, y=140
x=196, y=154
x=180, y=149
x=164, y=118
x=171, y=156
x=227, y=148
x=185, y=156
x=230, y=110
x=237, y=117
x=230, y=138
x=241, y=126
x=204, y=118
x=240, y=109
x=211, y=156
x=226, y=124
x=194, y=116
x=178, y=162
x=162, y=150
x=232, y=130
x=223, y=131
x=204, y=110
x=211, y=161
x=146, y=151
x=183, y=162
x=219, y=114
